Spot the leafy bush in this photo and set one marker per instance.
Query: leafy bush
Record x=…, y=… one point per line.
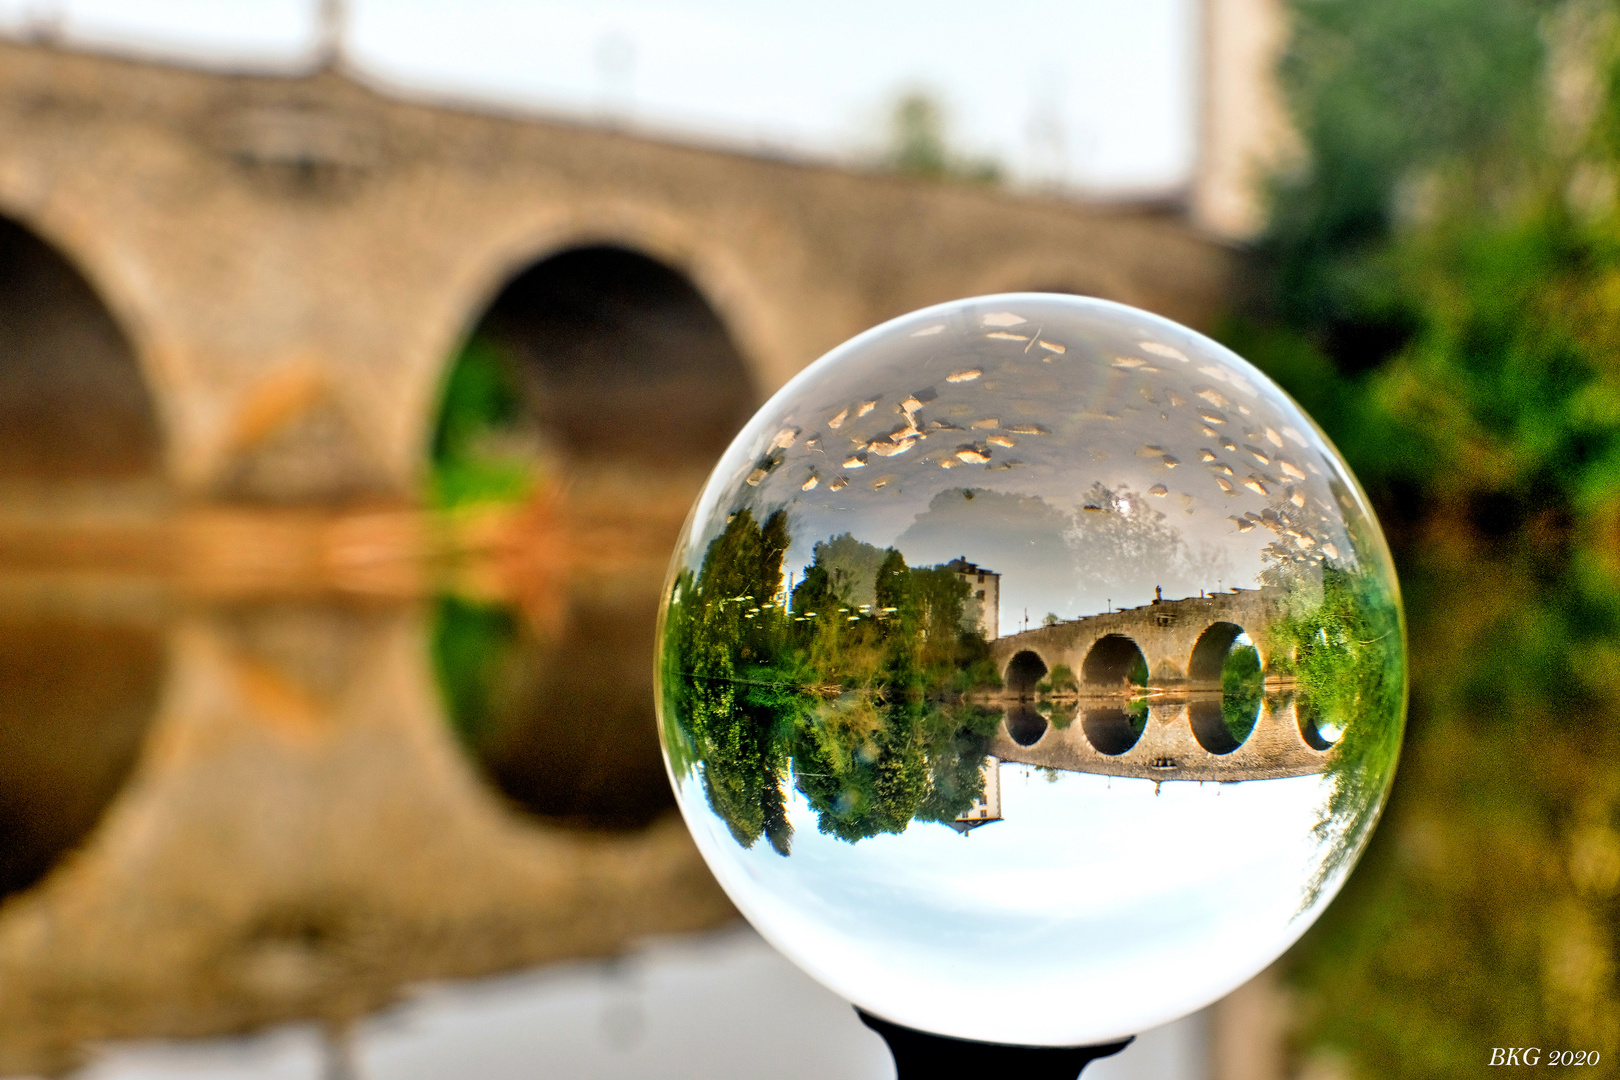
x=1440, y=286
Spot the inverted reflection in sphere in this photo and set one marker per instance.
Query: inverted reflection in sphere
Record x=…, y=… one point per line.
x=1031, y=670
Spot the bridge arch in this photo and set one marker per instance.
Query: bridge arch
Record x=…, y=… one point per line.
x=1025, y=724
x=75, y=403
x=81, y=696
x=1220, y=726
x=1114, y=659
x=1024, y=670
x=1319, y=733
x=617, y=353
x=1209, y=653
x=606, y=375
x=1113, y=730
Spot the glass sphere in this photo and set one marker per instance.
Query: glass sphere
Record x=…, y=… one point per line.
x=1031, y=670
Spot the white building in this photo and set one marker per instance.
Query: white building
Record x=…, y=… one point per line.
x=985, y=591
x=987, y=807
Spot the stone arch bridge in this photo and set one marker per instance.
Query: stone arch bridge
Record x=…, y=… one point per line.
x=293, y=260
x=1184, y=735
x=1183, y=641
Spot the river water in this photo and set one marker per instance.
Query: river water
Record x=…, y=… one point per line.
x=303, y=795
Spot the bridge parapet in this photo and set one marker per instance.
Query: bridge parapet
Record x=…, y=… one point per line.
x=1168, y=748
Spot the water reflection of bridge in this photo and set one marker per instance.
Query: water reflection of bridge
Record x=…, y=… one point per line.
x=1174, y=744
x=244, y=813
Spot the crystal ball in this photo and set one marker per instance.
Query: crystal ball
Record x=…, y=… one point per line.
x=1031, y=670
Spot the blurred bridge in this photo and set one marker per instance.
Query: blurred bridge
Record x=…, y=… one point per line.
x=229, y=307
x=264, y=278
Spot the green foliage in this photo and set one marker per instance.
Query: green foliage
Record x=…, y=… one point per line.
x=1440, y=286
x=918, y=144
x=862, y=704
x=471, y=644
x=1389, y=96
x=1347, y=659
x=1059, y=714
x=480, y=403
x=1242, y=686
x=851, y=568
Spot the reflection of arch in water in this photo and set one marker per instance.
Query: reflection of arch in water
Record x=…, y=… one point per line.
x=74, y=404
x=1209, y=654
x=1025, y=726
x=630, y=386
x=1023, y=671
x=1112, y=730
x=1317, y=734
x=1211, y=729
x=1113, y=660
x=78, y=699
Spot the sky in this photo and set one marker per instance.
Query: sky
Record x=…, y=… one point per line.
x=1026, y=409
x=1123, y=897
x=1094, y=96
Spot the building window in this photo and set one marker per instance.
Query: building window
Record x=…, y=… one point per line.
x=979, y=595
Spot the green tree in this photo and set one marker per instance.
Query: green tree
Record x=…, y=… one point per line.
x=861, y=706
x=919, y=145
x=1063, y=679
x=480, y=405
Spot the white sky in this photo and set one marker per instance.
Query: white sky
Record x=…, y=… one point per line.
x=1120, y=897
x=1090, y=94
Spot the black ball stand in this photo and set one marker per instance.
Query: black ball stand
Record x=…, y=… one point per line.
x=921, y=1056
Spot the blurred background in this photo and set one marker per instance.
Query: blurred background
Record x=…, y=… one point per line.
x=359, y=361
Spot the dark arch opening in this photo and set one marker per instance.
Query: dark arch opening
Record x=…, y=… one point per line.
x=1209, y=654
x=74, y=405
x=603, y=379
x=1025, y=725
x=1023, y=672
x=1318, y=733
x=1113, y=730
x=79, y=698
x=1114, y=660
x=616, y=357
x=1210, y=727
